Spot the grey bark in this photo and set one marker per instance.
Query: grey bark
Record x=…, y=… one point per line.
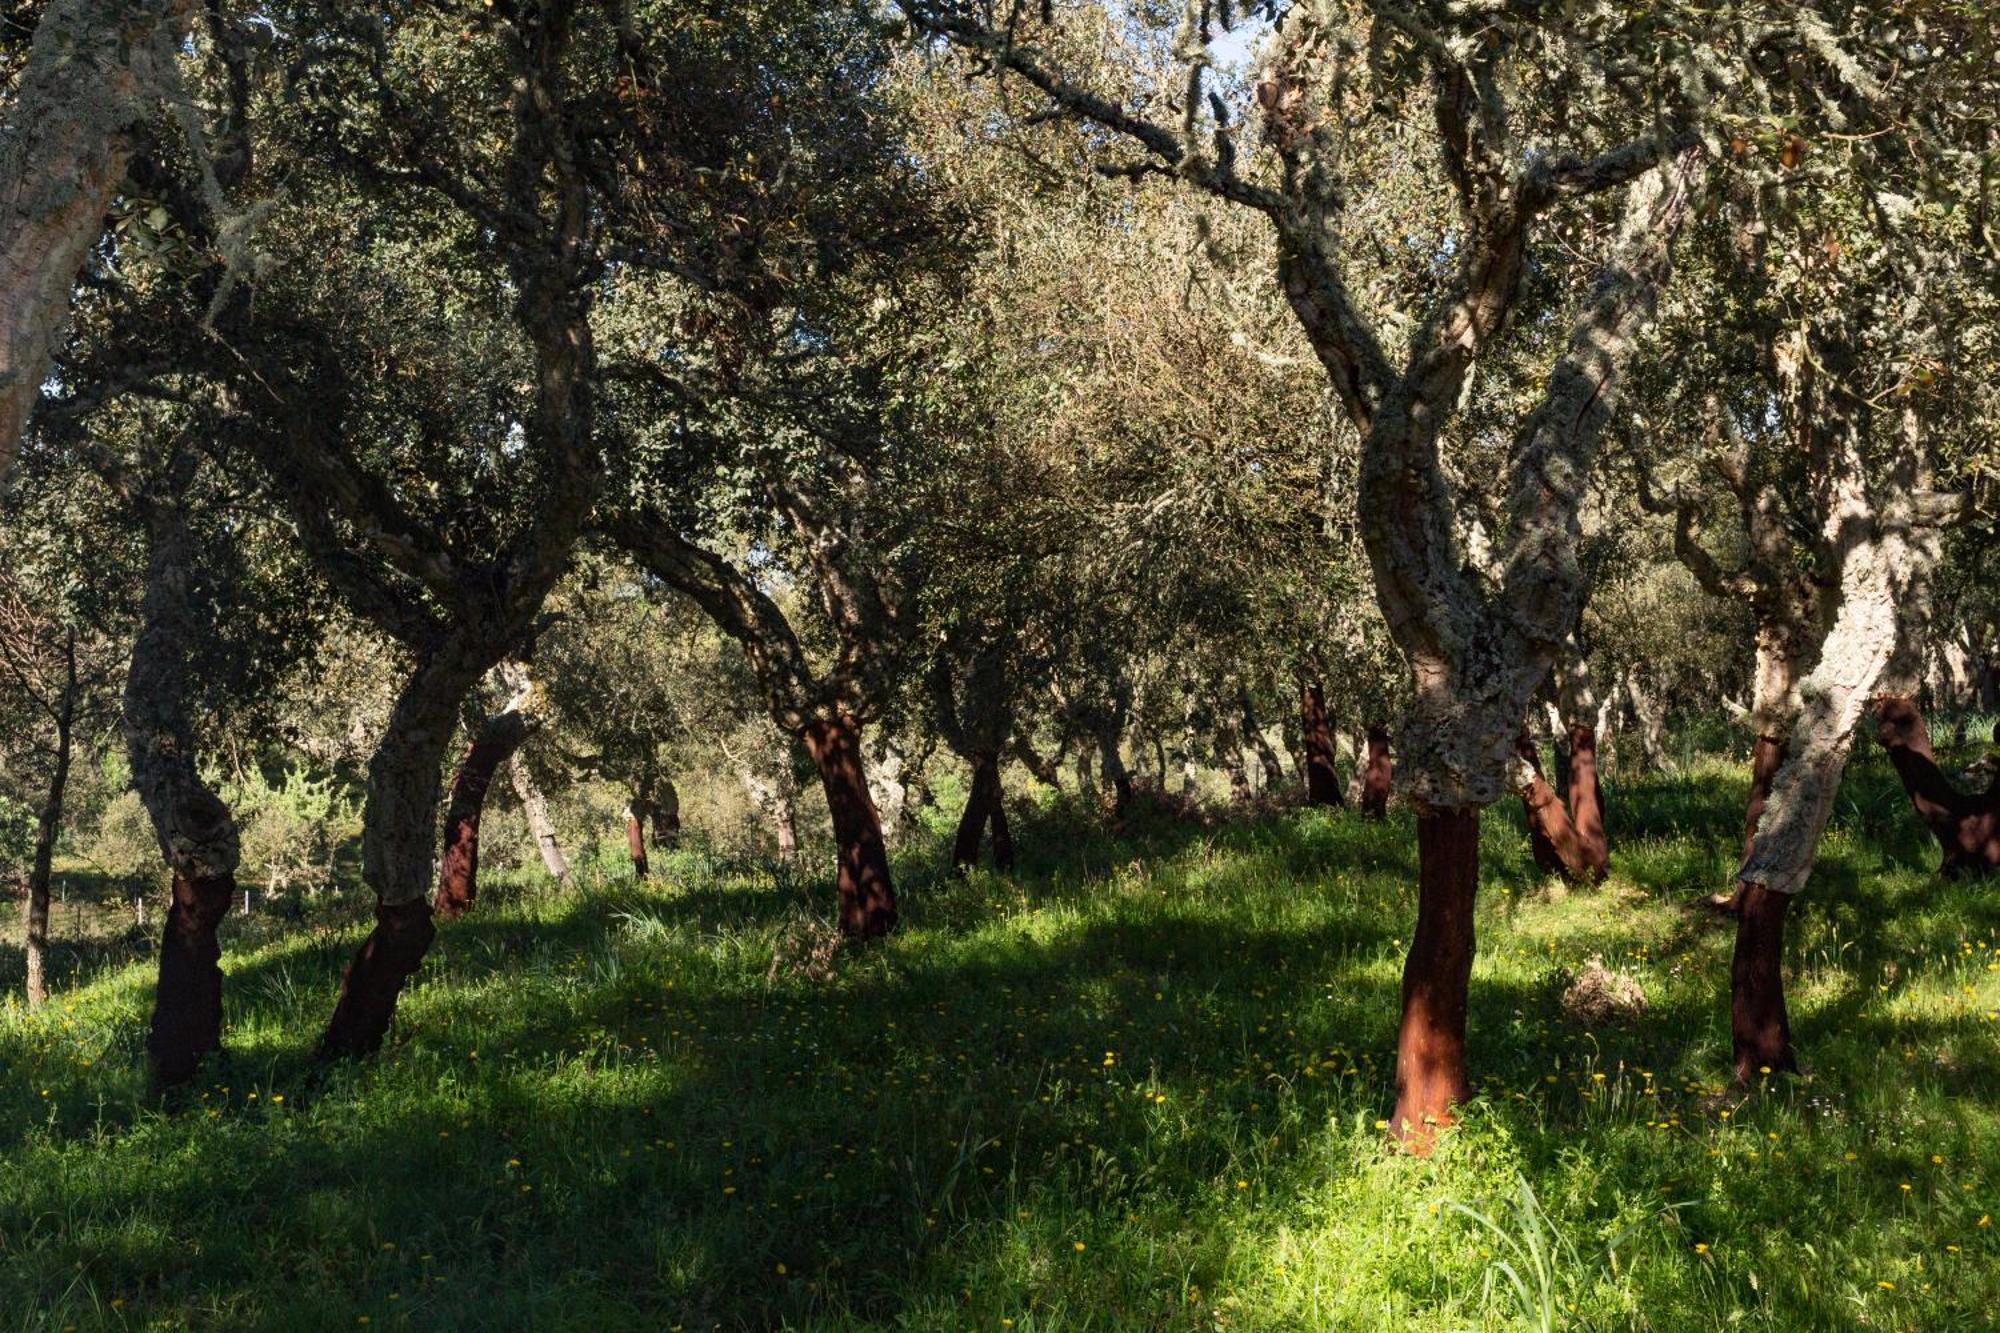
x=36, y=909
x=535, y=806
x=94, y=75
x=1878, y=552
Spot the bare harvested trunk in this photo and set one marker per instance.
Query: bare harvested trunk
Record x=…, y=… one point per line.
x=47, y=825
x=635, y=834
x=867, y=898
x=1558, y=845
x=1586, y=801
x=458, y=879
x=1966, y=826
x=399, y=826
x=194, y=828
x=536, y=807
x=1378, y=775
x=1322, y=778
x=93, y=78
x=1759, y=1027
x=1430, y=1045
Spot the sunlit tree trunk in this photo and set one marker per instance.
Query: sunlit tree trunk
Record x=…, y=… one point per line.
x=95, y=75
x=1430, y=1043
x=535, y=806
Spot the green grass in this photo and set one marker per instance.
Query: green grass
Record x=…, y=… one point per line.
x=1139, y=1085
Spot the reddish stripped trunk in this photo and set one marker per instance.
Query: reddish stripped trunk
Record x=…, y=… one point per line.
x=635, y=836
x=1759, y=1027
x=1430, y=1046
x=389, y=957
x=867, y=898
x=1966, y=826
x=458, y=879
x=1376, y=776
x=1586, y=800
x=187, y=1014
x=1558, y=846
x=1322, y=780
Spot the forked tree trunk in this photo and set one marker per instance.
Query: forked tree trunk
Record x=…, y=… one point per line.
x=1966, y=826
x=41, y=869
x=1322, y=778
x=1378, y=775
x=867, y=898
x=985, y=805
x=1553, y=837
x=196, y=833
x=536, y=807
x=94, y=77
x=399, y=824
x=458, y=878
x=1430, y=1045
x=1235, y=765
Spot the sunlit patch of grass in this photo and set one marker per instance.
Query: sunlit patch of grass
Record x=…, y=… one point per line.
x=1139, y=1084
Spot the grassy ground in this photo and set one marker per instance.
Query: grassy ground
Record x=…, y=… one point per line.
x=1136, y=1086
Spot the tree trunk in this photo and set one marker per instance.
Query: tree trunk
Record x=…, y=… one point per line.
x=1044, y=770
x=867, y=898
x=1322, y=779
x=399, y=828
x=635, y=833
x=1229, y=750
x=1989, y=685
x=972, y=823
x=536, y=807
x=1766, y=757
x=195, y=830
x=1586, y=800
x=985, y=804
x=1253, y=735
x=1377, y=777
x=36, y=933
x=458, y=878
x=1551, y=836
x=1967, y=827
x=667, y=816
x=1430, y=1045
x=1111, y=764
x=93, y=79
x=1759, y=1028
x=1650, y=712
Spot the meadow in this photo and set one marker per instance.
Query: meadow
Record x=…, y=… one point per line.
x=1136, y=1085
